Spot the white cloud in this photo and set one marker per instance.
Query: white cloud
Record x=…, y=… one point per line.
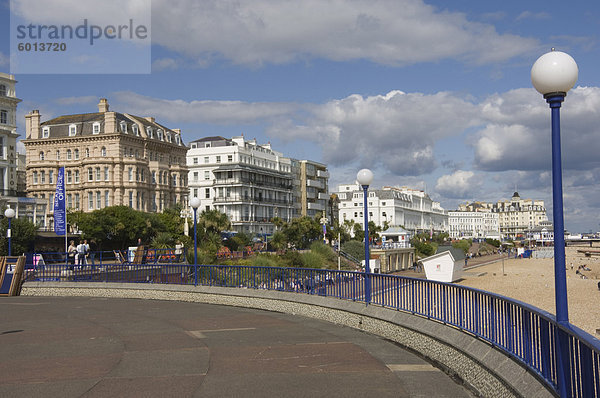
x=215, y=112
x=516, y=135
x=533, y=15
x=164, y=64
x=396, y=131
x=385, y=31
x=88, y=99
x=459, y=185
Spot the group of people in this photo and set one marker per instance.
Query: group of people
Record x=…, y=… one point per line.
x=78, y=254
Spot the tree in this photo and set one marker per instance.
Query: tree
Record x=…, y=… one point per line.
x=23, y=234
x=214, y=222
x=278, y=241
x=116, y=227
x=301, y=231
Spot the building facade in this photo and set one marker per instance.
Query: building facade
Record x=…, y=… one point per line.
x=473, y=225
x=253, y=183
x=110, y=158
x=314, y=190
x=249, y=182
x=403, y=207
x=515, y=216
x=8, y=135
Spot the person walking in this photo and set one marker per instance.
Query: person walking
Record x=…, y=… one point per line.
x=71, y=252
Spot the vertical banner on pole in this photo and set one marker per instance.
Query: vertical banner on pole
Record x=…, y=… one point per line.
x=60, y=222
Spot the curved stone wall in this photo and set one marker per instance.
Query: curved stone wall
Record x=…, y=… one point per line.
x=484, y=369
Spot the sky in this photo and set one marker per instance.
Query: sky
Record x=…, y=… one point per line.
x=433, y=95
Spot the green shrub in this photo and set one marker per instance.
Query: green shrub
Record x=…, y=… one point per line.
x=264, y=260
x=323, y=250
x=312, y=260
x=464, y=245
x=354, y=248
x=292, y=259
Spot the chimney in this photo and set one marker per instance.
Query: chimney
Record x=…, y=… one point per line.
x=110, y=121
x=103, y=105
x=150, y=119
x=32, y=124
x=178, y=131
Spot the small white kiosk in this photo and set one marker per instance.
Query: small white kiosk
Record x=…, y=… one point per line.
x=444, y=266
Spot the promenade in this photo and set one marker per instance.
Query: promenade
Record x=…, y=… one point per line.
x=98, y=347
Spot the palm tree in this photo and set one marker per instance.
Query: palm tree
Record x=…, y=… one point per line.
x=214, y=222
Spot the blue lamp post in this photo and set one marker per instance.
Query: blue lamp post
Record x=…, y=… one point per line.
x=364, y=178
x=553, y=75
x=9, y=213
x=195, y=203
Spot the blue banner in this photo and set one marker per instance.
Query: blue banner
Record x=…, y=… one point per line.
x=60, y=216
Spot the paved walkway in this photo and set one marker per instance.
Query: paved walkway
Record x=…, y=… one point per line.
x=94, y=347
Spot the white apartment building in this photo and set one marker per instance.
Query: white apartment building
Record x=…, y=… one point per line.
x=403, y=207
x=13, y=188
x=249, y=182
x=8, y=135
x=473, y=224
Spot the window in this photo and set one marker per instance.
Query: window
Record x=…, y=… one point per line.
x=69, y=154
x=130, y=172
x=207, y=175
x=195, y=160
x=160, y=177
x=131, y=199
x=137, y=174
x=90, y=174
x=69, y=177
x=135, y=129
x=90, y=200
x=35, y=177
x=87, y=152
x=229, y=158
x=97, y=173
x=218, y=159
x=123, y=127
x=195, y=192
x=154, y=177
x=106, y=174
x=103, y=152
x=195, y=176
x=106, y=199
x=72, y=130
x=3, y=116
x=159, y=134
x=69, y=201
x=98, y=200
x=77, y=178
x=96, y=128
x=149, y=132
x=207, y=193
x=206, y=160
x=174, y=178
x=43, y=176
x=77, y=201
x=2, y=90
x=42, y=155
x=51, y=176
x=76, y=153
x=57, y=155
x=46, y=132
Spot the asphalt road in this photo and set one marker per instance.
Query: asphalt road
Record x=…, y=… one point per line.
x=95, y=347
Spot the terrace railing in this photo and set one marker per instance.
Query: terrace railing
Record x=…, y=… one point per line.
x=528, y=334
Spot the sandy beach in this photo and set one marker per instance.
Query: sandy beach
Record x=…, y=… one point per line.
x=532, y=281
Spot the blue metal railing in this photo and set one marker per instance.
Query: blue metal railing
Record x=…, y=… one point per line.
x=528, y=334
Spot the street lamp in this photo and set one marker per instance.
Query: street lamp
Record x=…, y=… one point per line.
x=553, y=75
x=195, y=203
x=9, y=213
x=364, y=178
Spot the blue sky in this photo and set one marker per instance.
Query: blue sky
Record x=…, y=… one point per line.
x=434, y=95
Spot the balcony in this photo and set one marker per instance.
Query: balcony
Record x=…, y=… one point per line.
x=322, y=174
x=315, y=184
